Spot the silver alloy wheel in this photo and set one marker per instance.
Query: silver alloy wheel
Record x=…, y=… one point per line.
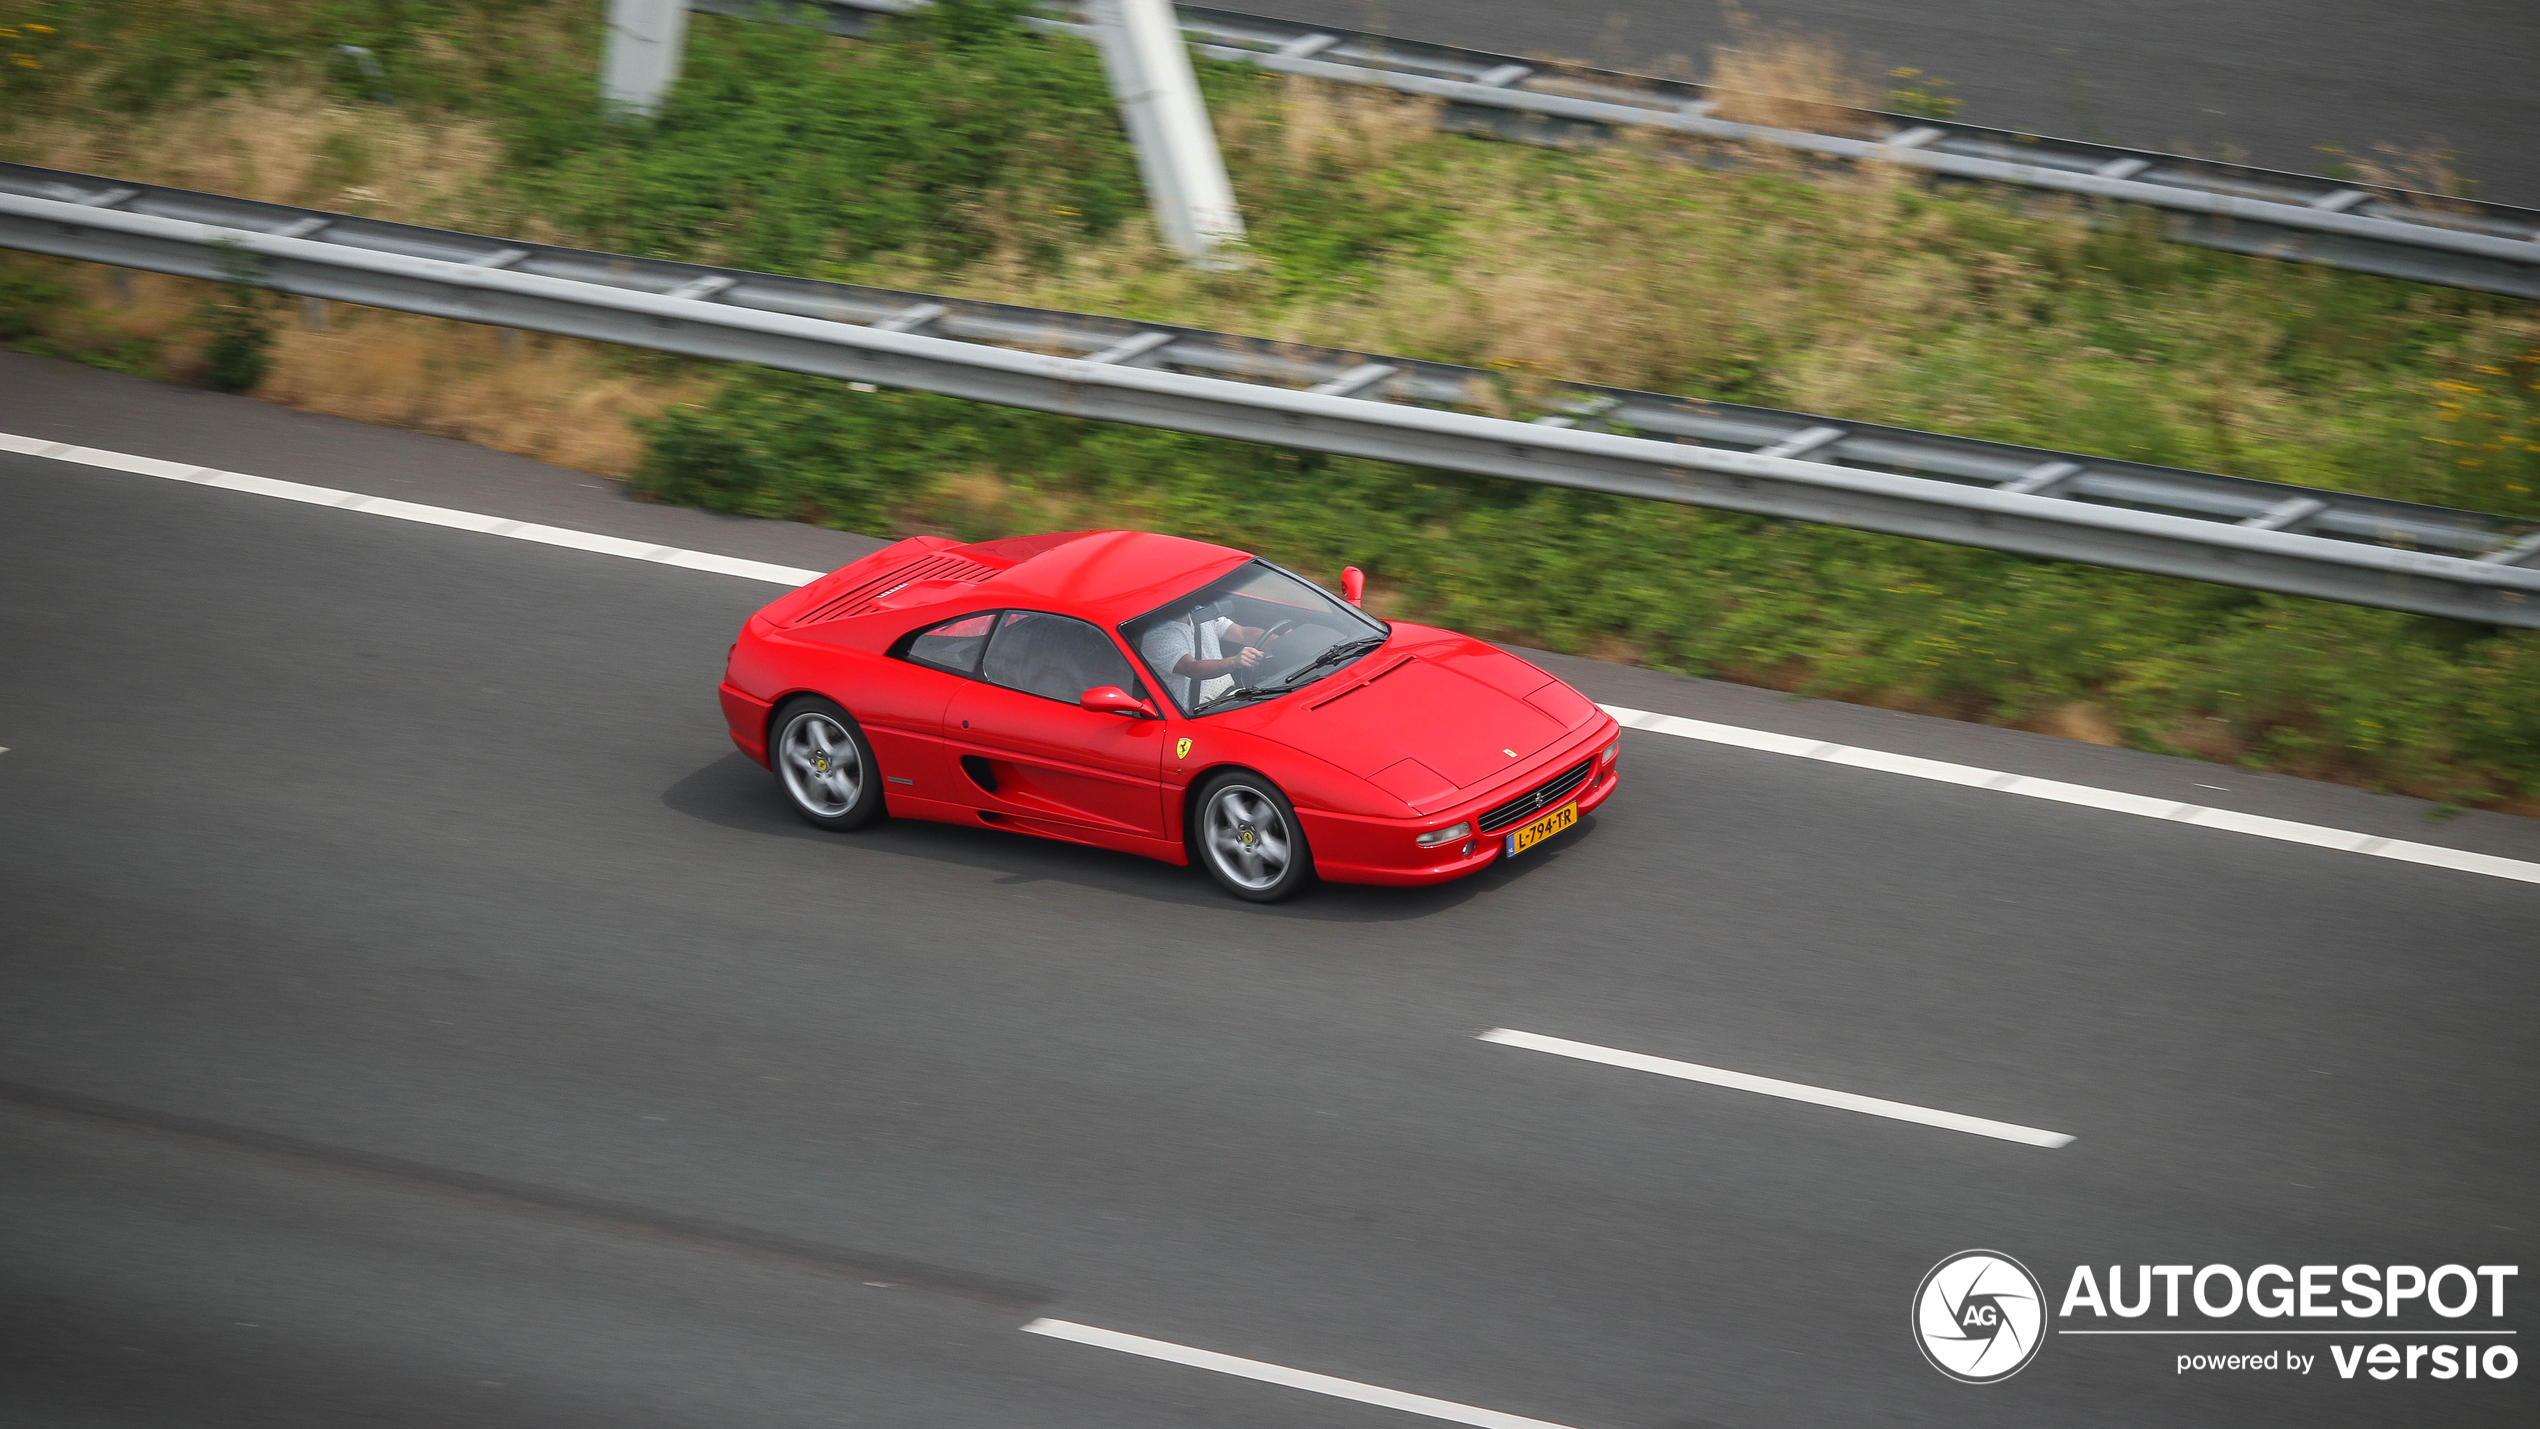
x=1247, y=838
x=822, y=768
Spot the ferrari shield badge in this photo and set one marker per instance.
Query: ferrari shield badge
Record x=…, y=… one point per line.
x=1182, y=749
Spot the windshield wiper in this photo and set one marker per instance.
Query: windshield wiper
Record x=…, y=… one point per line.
x=1222, y=696
x=1332, y=655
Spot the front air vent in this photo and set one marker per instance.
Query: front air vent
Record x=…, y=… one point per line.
x=857, y=599
x=1355, y=686
x=1534, y=801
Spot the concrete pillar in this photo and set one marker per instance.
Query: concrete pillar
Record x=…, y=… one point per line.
x=1150, y=68
x=640, y=61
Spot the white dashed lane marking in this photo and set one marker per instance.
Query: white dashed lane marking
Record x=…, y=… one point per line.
x=1444, y=1409
x=1771, y=1087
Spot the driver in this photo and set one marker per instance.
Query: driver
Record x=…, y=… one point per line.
x=1190, y=653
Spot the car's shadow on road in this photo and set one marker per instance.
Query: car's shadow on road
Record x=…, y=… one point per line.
x=736, y=794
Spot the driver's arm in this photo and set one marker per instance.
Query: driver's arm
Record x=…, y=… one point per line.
x=1195, y=668
x=1245, y=657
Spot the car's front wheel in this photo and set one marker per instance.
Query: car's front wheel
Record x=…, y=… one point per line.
x=825, y=764
x=1249, y=838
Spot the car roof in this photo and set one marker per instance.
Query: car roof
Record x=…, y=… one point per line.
x=1111, y=576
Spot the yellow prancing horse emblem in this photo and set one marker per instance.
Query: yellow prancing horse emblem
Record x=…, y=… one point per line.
x=1510, y=753
x=1182, y=750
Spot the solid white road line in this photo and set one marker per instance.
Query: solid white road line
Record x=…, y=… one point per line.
x=410, y=511
x=1764, y=741
x=2256, y=825
x=1795, y=1091
x=1281, y=1374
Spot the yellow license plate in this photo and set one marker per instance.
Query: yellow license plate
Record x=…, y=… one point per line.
x=1520, y=840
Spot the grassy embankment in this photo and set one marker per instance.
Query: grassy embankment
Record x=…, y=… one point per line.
x=1871, y=298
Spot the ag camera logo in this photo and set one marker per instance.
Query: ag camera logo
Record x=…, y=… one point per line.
x=1979, y=1316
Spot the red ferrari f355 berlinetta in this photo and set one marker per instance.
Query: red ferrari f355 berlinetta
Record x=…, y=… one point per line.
x=1164, y=697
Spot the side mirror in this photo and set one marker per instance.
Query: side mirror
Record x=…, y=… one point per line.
x=1353, y=584
x=1111, y=699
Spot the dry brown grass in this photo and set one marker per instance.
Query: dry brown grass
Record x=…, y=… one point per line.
x=1639, y=277
x=288, y=146
x=1359, y=128
x=558, y=400
x=1783, y=77
x=2207, y=737
x=2081, y=720
x=2427, y=177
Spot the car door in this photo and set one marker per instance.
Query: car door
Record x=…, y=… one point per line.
x=904, y=715
x=1030, y=752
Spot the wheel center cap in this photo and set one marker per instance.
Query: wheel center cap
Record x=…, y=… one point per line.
x=820, y=764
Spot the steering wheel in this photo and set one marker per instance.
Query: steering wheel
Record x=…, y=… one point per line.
x=1244, y=678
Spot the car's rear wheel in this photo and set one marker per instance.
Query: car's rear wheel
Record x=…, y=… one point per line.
x=1249, y=838
x=825, y=764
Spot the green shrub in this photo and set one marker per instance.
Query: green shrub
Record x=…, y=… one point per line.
x=26, y=300
x=131, y=57
x=237, y=321
x=781, y=149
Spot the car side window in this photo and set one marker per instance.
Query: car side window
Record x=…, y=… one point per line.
x=955, y=644
x=1055, y=656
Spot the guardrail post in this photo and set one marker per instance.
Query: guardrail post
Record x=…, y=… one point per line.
x=1150, y=68
x=640, y=60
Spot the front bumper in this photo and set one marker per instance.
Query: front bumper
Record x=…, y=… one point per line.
x=1350, y=848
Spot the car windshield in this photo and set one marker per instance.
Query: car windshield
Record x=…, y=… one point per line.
x=1296, y=633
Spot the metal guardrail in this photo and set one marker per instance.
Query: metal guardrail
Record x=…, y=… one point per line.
x=2367, y=228
x=2060, y=505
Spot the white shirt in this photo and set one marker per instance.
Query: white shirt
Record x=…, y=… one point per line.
x=1169, y=644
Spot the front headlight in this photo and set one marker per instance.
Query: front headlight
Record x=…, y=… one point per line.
x=1446, y=835
x=1613, y=749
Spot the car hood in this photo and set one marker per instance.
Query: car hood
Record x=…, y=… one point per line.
x=1452, y=706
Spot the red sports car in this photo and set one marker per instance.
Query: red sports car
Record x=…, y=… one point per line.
x=1163, y=697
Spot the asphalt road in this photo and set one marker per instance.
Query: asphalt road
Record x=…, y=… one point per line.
x=2268, y=81
x=413, y=1012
